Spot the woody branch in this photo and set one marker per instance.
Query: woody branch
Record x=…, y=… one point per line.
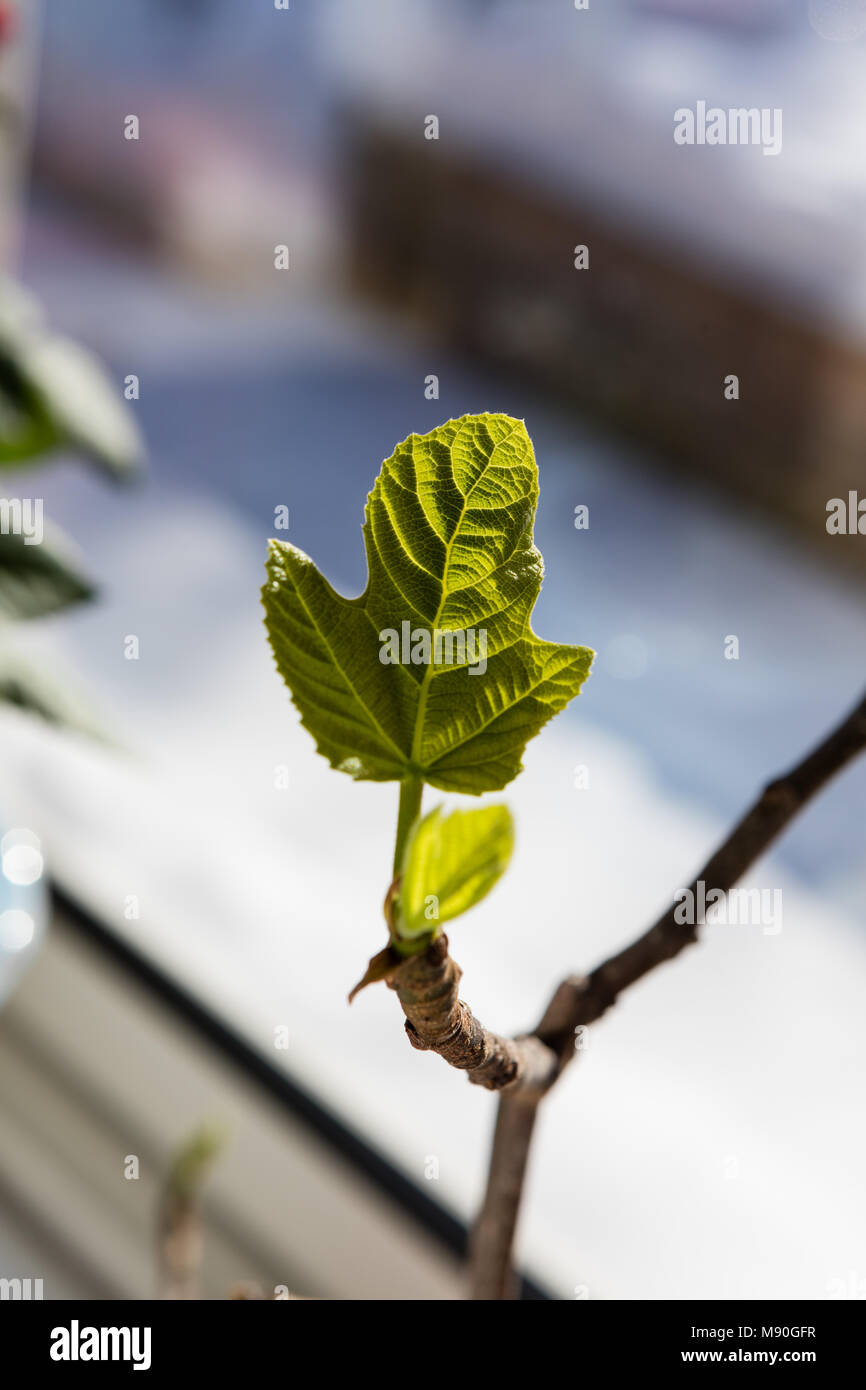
x=523, y=1069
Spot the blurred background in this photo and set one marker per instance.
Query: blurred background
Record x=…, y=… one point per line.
x=207, y=890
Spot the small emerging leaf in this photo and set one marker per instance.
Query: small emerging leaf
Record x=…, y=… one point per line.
x=451, y=863
x=190, y=1164
x=453, y=573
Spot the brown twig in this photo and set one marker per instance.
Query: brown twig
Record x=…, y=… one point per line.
x=438, y=1021
x=578, y=1002
x=523, y=1069
x=490, y=1267
x=777, y=805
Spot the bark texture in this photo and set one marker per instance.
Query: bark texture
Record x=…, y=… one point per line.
x=524, y=1068
x=438, y=1021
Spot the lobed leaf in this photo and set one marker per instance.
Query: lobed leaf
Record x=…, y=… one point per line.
x=448, y=537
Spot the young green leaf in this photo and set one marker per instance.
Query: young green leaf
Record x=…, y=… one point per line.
x=451, y=863
x=190, y=1164
x=434, y=671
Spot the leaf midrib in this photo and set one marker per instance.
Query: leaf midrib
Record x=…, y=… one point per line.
x=421, y=708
